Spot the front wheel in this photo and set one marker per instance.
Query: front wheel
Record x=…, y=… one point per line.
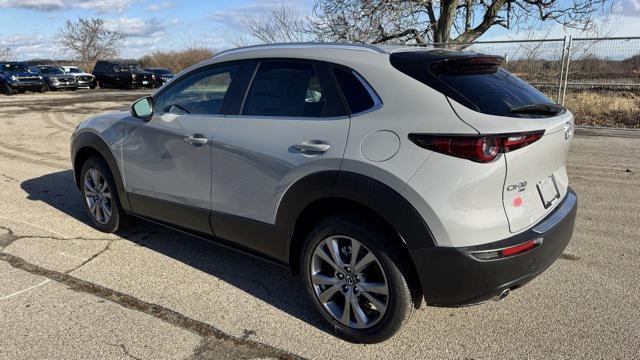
x=101, y=198
x=352, y=272
x=8, y=90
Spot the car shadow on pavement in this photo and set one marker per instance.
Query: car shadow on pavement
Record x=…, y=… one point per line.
x=268, y=282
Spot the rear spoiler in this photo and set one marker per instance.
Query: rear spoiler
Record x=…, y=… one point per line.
x=468, y=65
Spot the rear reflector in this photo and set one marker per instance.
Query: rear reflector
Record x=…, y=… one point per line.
x=479, y=148
x=518, y=249
x=507, y=252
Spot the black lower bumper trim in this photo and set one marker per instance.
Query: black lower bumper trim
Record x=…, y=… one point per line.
x=452, y=277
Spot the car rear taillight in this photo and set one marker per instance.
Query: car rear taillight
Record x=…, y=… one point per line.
x=479, y=148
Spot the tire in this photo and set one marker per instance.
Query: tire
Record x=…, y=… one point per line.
x=387, y=269
x=95, y=171
x=8, y=90
x=92, y=87
x=42, y=89
x=46, y=87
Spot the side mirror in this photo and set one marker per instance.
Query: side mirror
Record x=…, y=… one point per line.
x=143, y=108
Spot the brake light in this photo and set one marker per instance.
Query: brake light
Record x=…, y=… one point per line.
x=480, y=148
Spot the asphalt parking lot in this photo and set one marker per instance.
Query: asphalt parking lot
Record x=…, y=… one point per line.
x=68, y=291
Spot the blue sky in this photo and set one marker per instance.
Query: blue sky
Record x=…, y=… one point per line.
x=29, y=25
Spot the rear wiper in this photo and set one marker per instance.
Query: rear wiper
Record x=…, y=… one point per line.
x=537, y=109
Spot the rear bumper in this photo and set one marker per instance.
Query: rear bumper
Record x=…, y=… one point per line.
x=454, y=277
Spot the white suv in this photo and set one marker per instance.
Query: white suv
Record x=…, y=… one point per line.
x=383, y=176
x=83, y=78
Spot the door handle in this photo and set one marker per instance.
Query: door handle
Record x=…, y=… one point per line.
x=197, y=139
x=312, y=146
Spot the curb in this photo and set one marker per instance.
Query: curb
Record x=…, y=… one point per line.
x=606, y=131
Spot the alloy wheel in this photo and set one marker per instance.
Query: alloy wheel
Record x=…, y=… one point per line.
x=98, y=195
x=349, y=281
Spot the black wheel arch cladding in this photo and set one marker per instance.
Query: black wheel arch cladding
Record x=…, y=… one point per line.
x=371, y=194
x=86, y=145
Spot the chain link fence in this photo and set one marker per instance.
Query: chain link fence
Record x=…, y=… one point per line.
x=598, y=79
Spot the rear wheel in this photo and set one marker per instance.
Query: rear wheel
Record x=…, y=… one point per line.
x=101, y=198
x=352, y=272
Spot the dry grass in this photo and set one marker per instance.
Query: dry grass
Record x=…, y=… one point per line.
x=176, y=60
x=611, y=109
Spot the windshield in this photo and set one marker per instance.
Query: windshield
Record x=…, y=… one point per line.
x=74, y=71
x=51, y=70
x=126, y=68
x=161, y=71
x=14, y=68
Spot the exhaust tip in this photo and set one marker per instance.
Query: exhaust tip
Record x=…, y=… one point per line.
x=503, y=295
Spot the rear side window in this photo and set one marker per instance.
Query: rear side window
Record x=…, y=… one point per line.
x=291, y=89
x=354, y=91
x=475, y=82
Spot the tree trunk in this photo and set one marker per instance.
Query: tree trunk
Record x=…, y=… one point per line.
x=442, y=32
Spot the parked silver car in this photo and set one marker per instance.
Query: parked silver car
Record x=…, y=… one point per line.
x=383, y=175
x=84, y=79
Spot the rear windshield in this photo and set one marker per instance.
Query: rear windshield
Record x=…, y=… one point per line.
x=481, y=86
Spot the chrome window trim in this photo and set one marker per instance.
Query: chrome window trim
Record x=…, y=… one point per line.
x=282, y=117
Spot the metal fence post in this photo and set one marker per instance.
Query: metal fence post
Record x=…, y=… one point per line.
x=566, y=76
x=564, y=47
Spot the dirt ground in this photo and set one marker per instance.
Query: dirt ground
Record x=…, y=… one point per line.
x=68, y=291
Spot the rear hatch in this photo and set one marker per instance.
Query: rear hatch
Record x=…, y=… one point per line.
x=498, y=104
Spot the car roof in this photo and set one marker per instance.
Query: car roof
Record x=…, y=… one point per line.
x=379, y=49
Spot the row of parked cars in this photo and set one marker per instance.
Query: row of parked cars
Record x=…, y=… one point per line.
x=19, y=77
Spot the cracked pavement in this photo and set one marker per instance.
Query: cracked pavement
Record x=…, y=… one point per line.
x=68, y=291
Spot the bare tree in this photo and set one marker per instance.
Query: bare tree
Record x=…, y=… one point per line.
x=451, y=21
x=90, y=40
x=6, y=54
x=281, y=23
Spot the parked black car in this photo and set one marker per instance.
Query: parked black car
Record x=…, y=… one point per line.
x=162, y=75
x=122, y=74
x=16, y=77
x=55, y=78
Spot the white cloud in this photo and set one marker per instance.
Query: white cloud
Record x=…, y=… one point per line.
x=29, y=46
x=137, y=27
x=627, y=7
x=233, y=17
x=160, y=6
x=56, y=5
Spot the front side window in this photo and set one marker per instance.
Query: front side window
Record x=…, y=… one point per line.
x=200, y=93
x=286, y=89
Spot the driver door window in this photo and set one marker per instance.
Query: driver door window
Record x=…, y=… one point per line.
x=201, y=93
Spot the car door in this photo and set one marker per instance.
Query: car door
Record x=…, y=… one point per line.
x=167, y=160
x=291, y=123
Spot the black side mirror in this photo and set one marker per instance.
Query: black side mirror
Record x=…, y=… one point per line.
x=143, y=108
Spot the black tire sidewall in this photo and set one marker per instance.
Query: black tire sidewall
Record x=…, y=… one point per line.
x=400, y=304
x=117, y=214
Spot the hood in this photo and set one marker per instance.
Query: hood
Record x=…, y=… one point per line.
x=59, y=76
x=80, y=74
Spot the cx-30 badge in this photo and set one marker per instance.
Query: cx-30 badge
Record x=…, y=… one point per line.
x=521, y=186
